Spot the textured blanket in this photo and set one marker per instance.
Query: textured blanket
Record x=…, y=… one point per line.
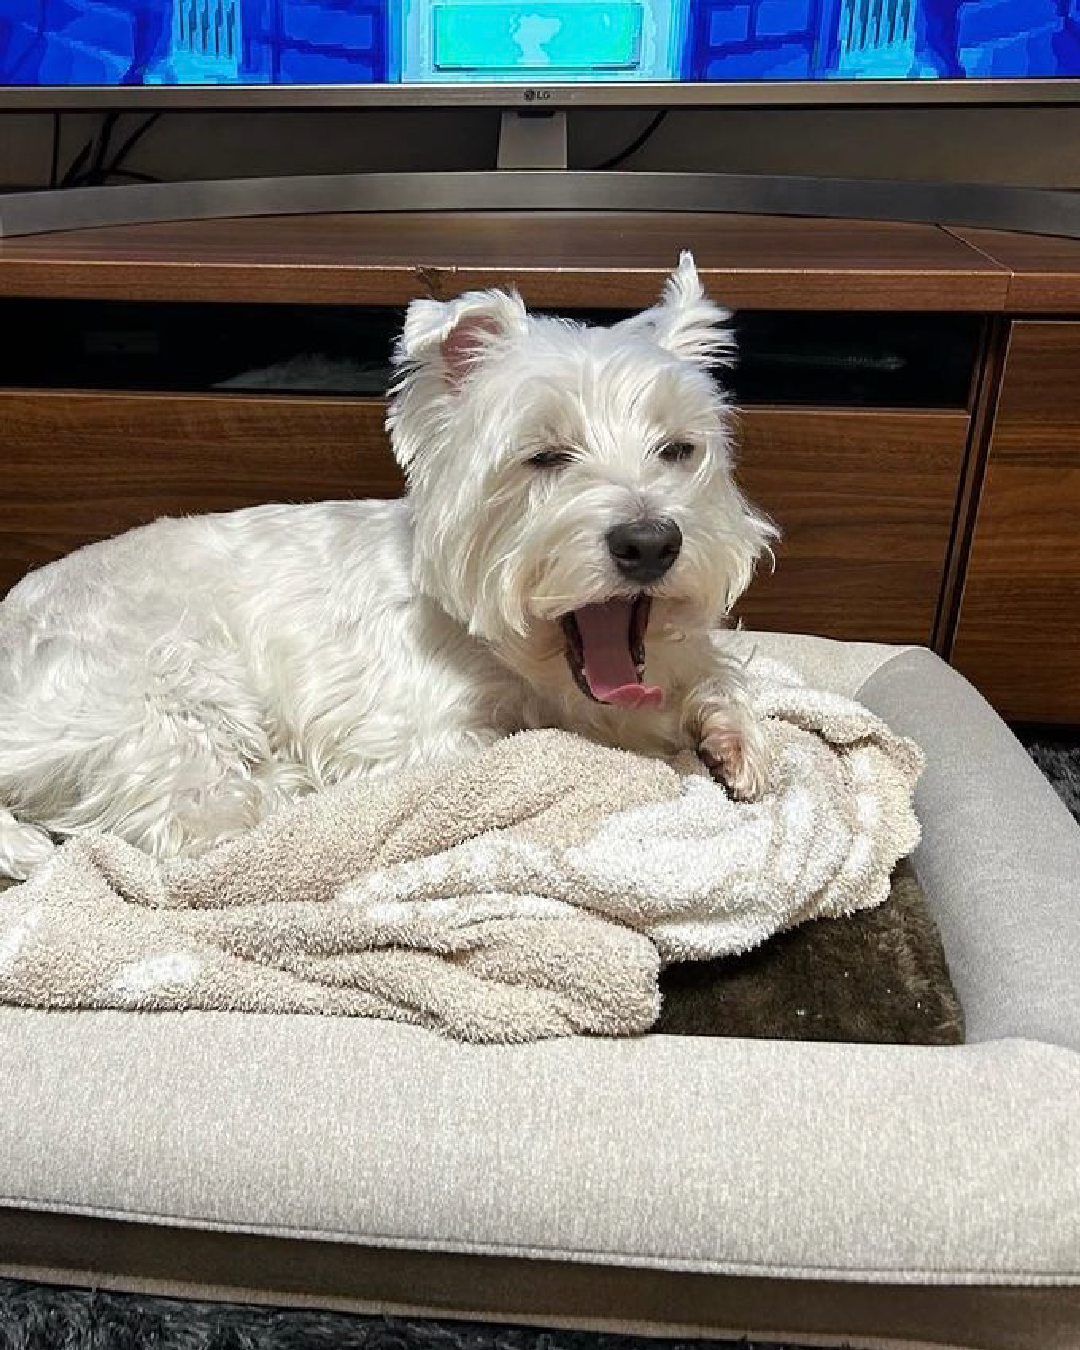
x=534, y=891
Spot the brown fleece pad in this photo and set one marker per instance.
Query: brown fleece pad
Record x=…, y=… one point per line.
x=877, y=975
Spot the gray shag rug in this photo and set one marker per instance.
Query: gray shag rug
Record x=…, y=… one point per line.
x=34, y=1317
x=43, y=1317
x=1058, y=756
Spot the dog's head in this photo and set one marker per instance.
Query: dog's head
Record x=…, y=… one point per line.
x=565, y=481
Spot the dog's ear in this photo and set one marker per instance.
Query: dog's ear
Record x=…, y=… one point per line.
x=686, y=322
x=459, y=334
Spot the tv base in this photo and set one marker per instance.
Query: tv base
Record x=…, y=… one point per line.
x=532, y=140
x=1029, y=210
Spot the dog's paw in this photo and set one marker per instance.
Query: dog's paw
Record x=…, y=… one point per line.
x=733, y=750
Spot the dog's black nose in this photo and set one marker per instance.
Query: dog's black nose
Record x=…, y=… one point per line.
x=644, y=550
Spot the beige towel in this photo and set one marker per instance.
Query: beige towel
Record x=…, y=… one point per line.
x=534, y=891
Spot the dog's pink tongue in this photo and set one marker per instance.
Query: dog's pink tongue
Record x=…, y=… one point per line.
x=607, y=660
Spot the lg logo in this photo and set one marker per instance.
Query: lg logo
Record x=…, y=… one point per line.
x=536, y=95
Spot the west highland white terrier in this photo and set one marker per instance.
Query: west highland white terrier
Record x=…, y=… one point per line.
x=570, y=544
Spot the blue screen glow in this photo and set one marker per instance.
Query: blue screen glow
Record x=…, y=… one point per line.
x=550, y=38
x=156, y=42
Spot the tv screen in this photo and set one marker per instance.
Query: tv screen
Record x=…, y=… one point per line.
x=113, y=44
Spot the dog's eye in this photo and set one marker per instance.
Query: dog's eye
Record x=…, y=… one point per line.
x=674, y=452
x=553, y=458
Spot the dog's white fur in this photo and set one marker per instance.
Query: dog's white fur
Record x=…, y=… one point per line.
x=181, y=681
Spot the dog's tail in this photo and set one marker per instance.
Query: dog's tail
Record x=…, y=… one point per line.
x=23, y=848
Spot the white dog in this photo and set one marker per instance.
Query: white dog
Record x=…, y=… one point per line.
x=569, y=546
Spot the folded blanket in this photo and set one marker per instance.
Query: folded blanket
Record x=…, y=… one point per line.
x=534, y=891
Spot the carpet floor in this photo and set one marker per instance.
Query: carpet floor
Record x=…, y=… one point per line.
x=42, y=1317
x=1058, y=756
x=37, y=1317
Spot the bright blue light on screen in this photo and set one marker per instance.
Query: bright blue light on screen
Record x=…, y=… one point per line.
x=537, y=37
x=61, y=43
x=487, y=41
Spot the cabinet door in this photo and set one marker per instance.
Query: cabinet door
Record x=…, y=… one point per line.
x=81, y=466
x=1018, y=635
x=865, y=500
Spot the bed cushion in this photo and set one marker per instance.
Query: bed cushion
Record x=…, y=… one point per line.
x=879, y=975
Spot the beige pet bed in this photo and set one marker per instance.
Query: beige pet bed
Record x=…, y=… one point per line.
x=814, y=1192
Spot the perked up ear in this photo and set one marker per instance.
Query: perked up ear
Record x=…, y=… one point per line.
x=686, y=322
x=458, y=335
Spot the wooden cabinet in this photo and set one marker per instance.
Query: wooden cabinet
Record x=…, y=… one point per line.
x=82, y=466
x=865, y=500
x=949, y=516
x=1018, y=635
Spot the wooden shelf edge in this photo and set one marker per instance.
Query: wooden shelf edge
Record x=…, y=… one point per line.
x=616, y=260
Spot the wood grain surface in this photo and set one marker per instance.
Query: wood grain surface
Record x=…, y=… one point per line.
x=865, y=499
x=1018, y=635
x=1044, y=270
x=80, y=467
x=987, y=386
x=555, y=258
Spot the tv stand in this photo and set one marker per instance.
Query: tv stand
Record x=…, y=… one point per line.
x=1031, y=210
x=909, y=409
x=532, y=139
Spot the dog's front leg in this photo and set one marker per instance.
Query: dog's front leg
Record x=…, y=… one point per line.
x=728, y=736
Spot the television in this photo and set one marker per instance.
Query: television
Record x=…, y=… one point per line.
x=535, y=61
x=557, y=53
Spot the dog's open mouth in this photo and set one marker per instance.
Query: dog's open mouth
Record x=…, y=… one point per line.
x=605, y=649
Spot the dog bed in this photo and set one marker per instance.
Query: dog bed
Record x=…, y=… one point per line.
x=892, y=1195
